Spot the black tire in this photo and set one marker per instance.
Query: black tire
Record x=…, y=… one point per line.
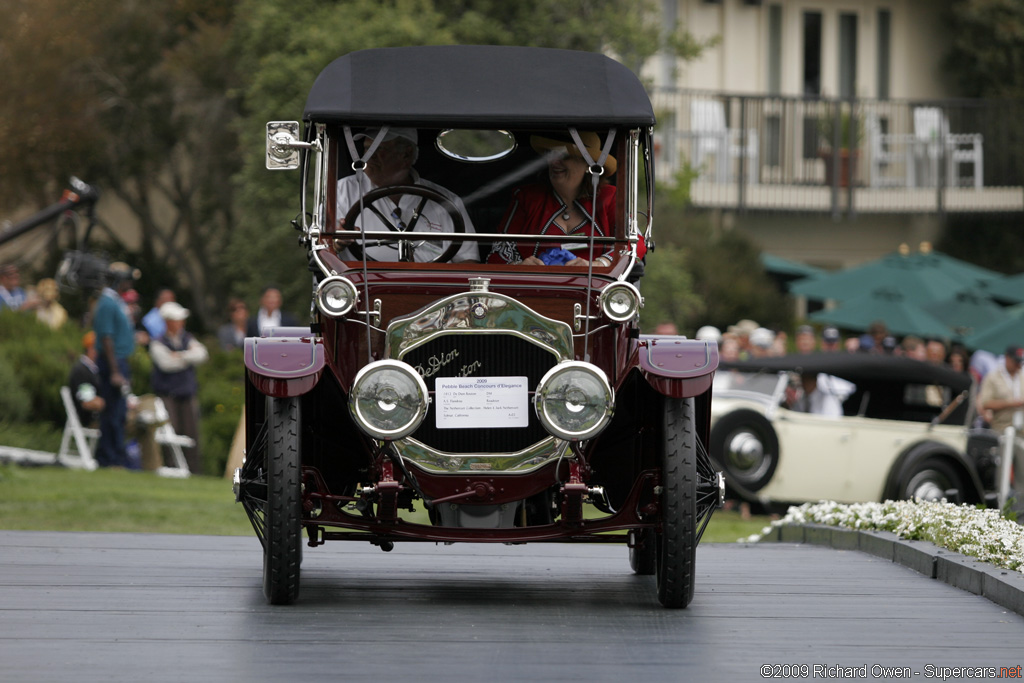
x=282, y=550
x=642, y=555
x=929, y=479
x=744, y=444
x=677, y=541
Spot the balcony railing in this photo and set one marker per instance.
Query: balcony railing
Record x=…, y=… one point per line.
x=750, y=152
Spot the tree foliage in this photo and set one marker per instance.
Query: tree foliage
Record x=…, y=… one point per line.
x=136, y=101
x=728, y=281
x=987, y=52
x=162, y=104
x=282, y=49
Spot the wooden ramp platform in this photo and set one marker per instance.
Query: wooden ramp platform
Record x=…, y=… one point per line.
x=127, y=607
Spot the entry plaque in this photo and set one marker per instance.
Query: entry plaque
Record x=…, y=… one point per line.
x=481, y=402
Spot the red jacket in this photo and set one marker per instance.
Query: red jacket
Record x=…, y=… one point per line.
x=532, y=212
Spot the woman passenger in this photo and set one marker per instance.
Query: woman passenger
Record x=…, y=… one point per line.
x=562, y=204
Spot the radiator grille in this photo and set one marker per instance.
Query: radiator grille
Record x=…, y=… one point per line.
x=480, y=355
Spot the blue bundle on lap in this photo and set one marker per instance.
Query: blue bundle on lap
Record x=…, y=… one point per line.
x=557, y=257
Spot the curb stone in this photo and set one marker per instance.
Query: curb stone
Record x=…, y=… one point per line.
x=878, y=543
x=1002, y=586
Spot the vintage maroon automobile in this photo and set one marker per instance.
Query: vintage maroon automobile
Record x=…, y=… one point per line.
x=445, y=400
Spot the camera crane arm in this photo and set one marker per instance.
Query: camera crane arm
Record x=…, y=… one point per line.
x=81, y=194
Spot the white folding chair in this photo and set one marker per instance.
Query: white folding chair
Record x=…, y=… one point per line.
x=166, y=436
x=884, y=153
x=78, y=444
x=712, y=141
x=933, y=140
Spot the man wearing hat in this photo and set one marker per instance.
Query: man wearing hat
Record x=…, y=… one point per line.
x=115, y=341
x=1002, y=401
x=391, y=164
x=830, y=339
x=175, y=356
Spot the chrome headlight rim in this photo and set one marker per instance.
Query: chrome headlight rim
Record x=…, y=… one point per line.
x=365, y=423
x=543, y=398
x=611, y=298
x=338, y=287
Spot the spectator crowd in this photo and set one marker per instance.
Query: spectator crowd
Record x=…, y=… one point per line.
x=115, y=324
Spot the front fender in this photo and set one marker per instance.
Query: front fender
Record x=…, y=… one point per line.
x=284, y=366
x=677, y=366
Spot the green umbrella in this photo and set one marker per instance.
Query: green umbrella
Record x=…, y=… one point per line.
x=786, y=269
x=922, y=277
x=892, y=308
x=1009, y=288
x=966, y=313
x=997, y=337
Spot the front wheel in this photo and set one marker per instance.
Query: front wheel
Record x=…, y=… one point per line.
x=283, y=512
x=931, y=479
x=677, y=540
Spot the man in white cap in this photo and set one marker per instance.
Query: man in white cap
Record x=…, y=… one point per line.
x=392, y=164
x=175, y=357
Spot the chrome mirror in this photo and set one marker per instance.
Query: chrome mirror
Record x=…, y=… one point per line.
x=283, y=145
x=475, y=146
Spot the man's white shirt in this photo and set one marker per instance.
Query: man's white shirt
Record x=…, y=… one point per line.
x=434, y=218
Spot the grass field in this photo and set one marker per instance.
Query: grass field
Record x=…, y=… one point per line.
x=58, y=499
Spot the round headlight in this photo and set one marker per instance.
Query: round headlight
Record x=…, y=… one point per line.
x=621, y=301
x=574, y=401
x=388, y=399
x=336, y=296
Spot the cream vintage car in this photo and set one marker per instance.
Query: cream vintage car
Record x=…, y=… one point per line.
x=902, y=433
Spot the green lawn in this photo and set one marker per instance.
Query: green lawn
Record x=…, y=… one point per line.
x=58, y=499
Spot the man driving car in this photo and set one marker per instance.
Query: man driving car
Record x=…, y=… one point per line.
x=391, y=164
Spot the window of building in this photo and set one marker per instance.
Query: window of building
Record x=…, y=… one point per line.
x=847, y=55
x=812, y=54
x=884, y=52
x=774, y=49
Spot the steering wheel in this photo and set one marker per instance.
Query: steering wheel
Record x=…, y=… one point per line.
x=428, y=195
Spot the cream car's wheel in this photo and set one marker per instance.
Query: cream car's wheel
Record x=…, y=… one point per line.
x=744, y=444
x=932, y=479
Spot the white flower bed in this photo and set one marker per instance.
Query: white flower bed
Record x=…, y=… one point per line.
x=983, y=534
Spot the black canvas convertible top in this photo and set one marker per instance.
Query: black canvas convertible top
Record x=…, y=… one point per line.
x=478, y=85
x=861, y=368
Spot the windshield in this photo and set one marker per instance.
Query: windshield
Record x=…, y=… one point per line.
x=506, y=197
x=758, y=383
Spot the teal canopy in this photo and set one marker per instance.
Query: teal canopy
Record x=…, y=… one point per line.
x=1009, y=289
x=966, y=313
x=787, y=269
x=997, y=337
x=899, y=315
x=921, y=277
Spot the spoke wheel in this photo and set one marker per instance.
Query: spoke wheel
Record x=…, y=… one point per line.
x=283, y=512
x=252, y=484
x=677, y=541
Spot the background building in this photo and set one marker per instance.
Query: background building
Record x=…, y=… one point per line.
x=829, y=130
